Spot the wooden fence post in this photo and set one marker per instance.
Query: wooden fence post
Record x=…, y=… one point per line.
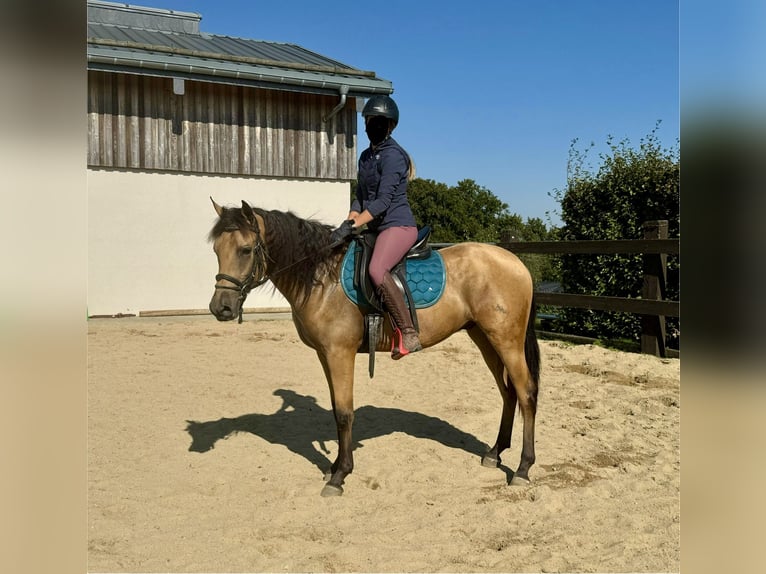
x=655, y=276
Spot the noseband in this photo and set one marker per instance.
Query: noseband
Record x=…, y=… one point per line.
x=255, y=278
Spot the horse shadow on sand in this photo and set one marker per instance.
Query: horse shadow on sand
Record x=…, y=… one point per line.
x=300, y=423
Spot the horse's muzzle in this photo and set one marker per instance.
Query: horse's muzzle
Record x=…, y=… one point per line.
x=224, y=314
x=222, y=309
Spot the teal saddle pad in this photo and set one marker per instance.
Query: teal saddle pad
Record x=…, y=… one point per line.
x=426, y=278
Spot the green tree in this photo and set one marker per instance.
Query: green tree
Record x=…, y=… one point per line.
x=630, y=187
x=471, y=212
x=465, y=212
x=542, y=267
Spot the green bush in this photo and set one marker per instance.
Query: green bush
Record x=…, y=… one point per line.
x=629, y=188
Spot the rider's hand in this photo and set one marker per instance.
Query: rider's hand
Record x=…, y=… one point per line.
x=342, y=233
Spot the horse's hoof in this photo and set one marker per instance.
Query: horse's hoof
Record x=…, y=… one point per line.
x=490, y=461
x=332, y=490
x=519, y=481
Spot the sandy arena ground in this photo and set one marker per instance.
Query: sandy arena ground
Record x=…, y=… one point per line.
x=208, y=442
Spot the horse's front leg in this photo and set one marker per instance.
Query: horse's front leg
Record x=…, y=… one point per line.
x=339, y=369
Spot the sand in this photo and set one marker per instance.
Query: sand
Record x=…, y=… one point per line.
x=207, y=444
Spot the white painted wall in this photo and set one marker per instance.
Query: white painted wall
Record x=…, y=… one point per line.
x=147, y=234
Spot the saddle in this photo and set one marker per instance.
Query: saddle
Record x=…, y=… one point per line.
x=367, y=295
x=365, y=244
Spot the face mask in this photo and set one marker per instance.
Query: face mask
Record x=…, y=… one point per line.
x=377, y=129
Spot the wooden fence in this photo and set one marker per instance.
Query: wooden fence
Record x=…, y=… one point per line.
x=652, y=306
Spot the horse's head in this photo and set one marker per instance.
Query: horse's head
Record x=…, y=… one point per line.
x=238, y=243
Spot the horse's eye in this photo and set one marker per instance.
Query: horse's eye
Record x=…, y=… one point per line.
x=245, y=251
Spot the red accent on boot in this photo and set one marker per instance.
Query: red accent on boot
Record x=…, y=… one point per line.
x=398, y=350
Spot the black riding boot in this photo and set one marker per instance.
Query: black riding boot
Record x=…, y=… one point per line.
x=405, y=339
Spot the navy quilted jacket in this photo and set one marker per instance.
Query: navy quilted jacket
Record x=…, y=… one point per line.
x=382, y=186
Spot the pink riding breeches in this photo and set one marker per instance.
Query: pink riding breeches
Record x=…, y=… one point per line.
x=390, y=246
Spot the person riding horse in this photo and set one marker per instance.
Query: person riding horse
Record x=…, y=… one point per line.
x=381, y=203
x=488, y=293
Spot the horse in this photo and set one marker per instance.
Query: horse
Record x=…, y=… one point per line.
x=488, y=293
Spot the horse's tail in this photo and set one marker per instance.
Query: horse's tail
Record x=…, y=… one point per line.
x=531, y=348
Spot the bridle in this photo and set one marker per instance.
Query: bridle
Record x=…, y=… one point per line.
x=258, y=272
x=255, y=278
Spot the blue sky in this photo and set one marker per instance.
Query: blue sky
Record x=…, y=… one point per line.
x=723, y=56
x=493, y=91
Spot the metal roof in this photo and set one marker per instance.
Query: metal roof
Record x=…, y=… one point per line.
x=152, y=41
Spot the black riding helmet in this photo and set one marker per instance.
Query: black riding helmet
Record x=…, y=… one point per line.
x=381, y=106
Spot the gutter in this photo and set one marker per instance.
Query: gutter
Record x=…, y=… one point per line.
x=343, y=93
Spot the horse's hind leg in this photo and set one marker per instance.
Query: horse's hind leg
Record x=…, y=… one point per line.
x=526, y=392
x=508, y=365
x=492, y=457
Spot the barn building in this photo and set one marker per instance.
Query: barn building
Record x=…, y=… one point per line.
x=177, y=115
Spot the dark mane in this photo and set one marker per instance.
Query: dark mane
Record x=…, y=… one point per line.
x=298, y=249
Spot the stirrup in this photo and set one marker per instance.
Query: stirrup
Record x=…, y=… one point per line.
x=398, y=350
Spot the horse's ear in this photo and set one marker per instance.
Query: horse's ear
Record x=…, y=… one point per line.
x=248, y=213
x=218, y=208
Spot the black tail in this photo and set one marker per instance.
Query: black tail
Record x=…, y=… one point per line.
x=531, y=348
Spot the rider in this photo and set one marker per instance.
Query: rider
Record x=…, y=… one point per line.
x=381, y=203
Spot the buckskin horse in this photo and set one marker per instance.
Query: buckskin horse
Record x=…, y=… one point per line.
x=488, y=292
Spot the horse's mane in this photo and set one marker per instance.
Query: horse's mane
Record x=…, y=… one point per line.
x=297, y=249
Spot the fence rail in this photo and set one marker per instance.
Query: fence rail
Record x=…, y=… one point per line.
x=652, y=306
x=603, y=303
x=646, y=246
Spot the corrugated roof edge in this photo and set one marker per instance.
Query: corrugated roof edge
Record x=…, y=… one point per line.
x=231, y=58
x=125, y=60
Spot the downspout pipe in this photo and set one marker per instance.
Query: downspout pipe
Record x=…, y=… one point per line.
x=343, y=93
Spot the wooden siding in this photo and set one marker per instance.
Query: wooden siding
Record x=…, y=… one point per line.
x=138, y=122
